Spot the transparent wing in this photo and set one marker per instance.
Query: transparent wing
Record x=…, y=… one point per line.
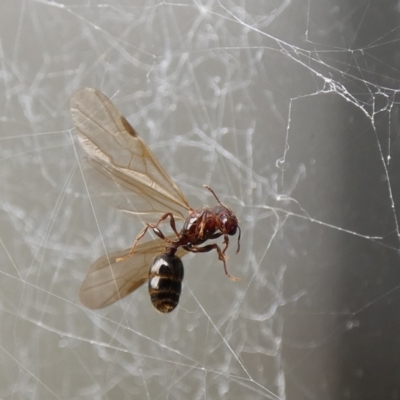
x=108, y=281
x=117, y=152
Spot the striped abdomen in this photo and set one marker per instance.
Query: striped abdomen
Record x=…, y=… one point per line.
x=165, y=282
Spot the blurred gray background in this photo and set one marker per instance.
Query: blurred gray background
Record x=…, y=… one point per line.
x=289, y=110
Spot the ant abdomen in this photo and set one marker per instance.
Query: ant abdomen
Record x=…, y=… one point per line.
x=165, y=282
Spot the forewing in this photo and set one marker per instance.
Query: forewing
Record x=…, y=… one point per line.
x=139, y=199
x=117, y=152
x=108, y=281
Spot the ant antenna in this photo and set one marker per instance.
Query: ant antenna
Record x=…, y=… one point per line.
x=212, y=191
x=240, y=234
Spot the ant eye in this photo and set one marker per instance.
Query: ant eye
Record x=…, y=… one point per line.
x=232, y=230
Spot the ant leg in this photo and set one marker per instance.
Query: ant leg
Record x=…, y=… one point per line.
x=221, y=256
x=160, y=234
x=226, y=243
x=171, y=222
x=155, y=229
x=138, y=237
x=215, y=235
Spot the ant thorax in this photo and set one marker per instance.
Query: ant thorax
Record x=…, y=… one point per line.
x=199, y=226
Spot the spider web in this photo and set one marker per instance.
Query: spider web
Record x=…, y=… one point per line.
x=289, y=111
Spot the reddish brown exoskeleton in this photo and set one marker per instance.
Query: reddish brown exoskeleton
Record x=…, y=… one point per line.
x=118, y=153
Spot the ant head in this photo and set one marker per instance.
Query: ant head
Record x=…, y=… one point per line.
x=227, y=222
x=226, y=219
